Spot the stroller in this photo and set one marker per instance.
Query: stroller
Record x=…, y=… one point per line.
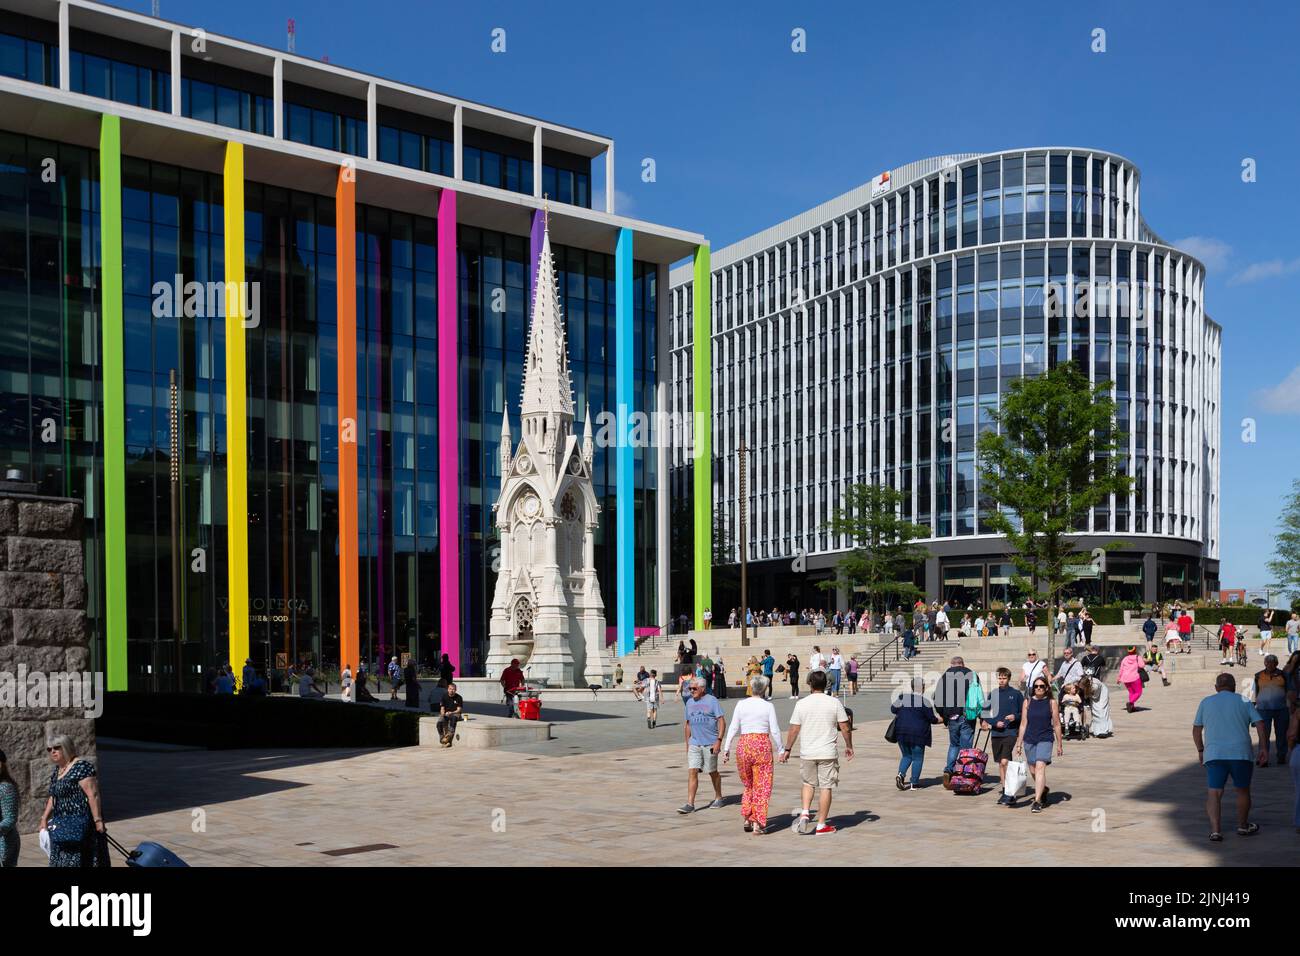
x=1073, y=726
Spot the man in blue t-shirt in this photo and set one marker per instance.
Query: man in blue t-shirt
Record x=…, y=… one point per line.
x=703, y=728
x=1221, y=731
x=769, y=664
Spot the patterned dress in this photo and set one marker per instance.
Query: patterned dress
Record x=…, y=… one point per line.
x=8, y=825
x=70, y=801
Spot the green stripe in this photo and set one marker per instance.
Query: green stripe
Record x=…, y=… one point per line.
x=702, y=352
x=114, y=381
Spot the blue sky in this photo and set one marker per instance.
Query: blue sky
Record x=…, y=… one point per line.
x=744, y=132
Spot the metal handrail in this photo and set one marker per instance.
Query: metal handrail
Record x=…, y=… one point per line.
x=884, y=666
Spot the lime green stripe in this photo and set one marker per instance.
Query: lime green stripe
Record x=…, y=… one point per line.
x=702, y=352
x=114, y=382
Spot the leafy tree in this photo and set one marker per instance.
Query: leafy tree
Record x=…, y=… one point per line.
x=1285, y=567
x=1054, y=457
x=884, y=557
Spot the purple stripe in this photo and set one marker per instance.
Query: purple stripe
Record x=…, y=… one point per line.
x=448, y=430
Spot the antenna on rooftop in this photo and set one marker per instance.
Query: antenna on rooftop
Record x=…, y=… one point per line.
x=291, y=32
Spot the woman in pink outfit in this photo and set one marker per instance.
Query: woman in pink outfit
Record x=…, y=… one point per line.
x=1130, y=675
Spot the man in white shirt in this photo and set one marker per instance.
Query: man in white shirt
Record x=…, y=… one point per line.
x=1070, y=671
x=941, y=624
x=1031, y=670
x=814, y=723
x=817, y=661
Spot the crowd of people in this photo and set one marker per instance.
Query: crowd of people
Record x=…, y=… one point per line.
x=1026, y=717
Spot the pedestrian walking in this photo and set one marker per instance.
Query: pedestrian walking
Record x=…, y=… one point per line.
x=769, y=668
x=446, y=670
x=1001, y=718
x=1271, y=702
x=703, y=729
x=412, y=679
x=1096, y=697
x=1132, y=674
x=9, y=839
x=814, y=723
x=1293, y=633
x=1293, y=745
x=757, y=735
x=851, y=669
x=1221, y=732
x=913, y=719
x=951, y=703
x=1040, y=727
x=394, y=676
x=1031, y=669
x=1227, y=642
x=792, y=669
x=72, y=813
x=836, y=668
x=345, y=685
x=652, y=692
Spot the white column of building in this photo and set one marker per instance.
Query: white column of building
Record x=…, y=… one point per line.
x=372, y=122
x=1131, y=305
x=277, y=97
x=65, y=48
x=458, y=142
x=1094, y=374
x=914, y=490
x=176, y=72
x=1166, y=433
x=1149, y=297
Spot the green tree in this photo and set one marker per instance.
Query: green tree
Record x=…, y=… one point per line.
x=1054, y=457
x=1285, y=567
x=884, y=557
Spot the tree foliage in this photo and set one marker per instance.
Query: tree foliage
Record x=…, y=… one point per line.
x=1285, y=566
x=884, y=557
x=1054, y=457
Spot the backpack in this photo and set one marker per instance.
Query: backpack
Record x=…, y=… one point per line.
x=974, y=699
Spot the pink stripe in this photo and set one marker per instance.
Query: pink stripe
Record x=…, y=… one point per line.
x=448, y=430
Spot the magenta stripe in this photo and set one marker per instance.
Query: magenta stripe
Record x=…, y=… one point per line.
x=448, y=430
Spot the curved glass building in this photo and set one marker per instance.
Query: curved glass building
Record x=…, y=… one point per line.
x=869, y=339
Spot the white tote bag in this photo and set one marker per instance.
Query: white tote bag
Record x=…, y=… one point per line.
x=1017, y=778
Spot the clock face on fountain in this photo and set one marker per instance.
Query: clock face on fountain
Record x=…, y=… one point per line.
x=530, y=506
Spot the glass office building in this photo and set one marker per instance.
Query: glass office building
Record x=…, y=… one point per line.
x=333, y=440
x=867, y=341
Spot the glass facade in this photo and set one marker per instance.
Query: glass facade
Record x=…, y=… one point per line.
x=874, y=348
x=50, y=418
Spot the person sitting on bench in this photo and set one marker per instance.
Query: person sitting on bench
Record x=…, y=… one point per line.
x=452, y=709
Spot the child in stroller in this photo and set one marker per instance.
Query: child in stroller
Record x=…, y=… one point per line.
x=1073, y=724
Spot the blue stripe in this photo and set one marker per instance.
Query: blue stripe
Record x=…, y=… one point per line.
x=623, y=491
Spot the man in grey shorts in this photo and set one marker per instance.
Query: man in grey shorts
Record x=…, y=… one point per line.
x=704, y=725
x=814, y=723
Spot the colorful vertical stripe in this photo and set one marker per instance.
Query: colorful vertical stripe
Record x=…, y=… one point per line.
x=114, y=376
x=236, y=409
x=345, y=239
x=448, y=430
x=624, y=491
x=702, y=432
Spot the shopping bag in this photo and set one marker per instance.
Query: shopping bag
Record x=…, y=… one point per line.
x=1017, y=778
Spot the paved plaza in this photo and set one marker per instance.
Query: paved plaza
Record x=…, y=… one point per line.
x=604, y=792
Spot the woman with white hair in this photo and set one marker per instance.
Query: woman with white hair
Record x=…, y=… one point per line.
x=72, y=813
x=754, y=721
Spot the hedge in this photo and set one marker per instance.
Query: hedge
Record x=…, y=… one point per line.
x=225, y=722
x=1249, y=616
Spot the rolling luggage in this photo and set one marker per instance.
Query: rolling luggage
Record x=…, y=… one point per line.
x=148, y=855
x=968, y=771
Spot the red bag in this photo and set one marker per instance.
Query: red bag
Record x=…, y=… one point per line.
x=968, y=771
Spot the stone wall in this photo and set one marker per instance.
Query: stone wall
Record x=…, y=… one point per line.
x=42, y=626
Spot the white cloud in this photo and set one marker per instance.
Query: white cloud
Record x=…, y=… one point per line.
x=624, y=204
x=1215, y=253
x=1271, y=269
x=1284, y=397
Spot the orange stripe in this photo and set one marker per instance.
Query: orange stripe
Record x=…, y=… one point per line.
x=346, y=348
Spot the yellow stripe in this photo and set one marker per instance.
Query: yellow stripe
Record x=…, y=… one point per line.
x=236, y=409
